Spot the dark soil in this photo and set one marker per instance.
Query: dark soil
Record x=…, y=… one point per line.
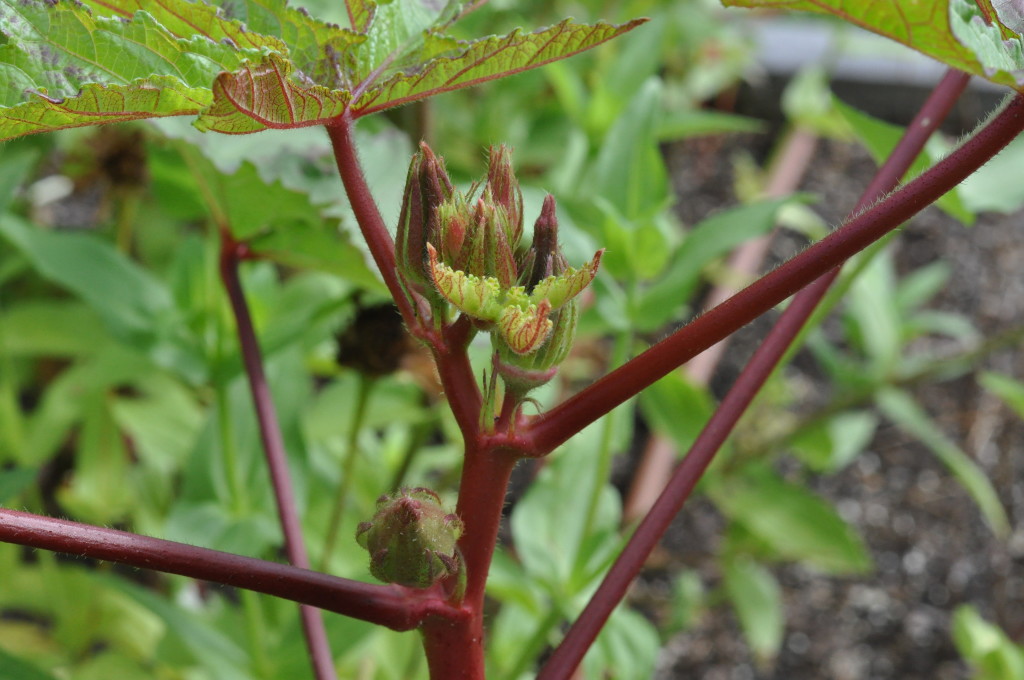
x=931, y=547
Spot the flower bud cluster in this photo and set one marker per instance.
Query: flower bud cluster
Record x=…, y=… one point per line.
x=457, y=250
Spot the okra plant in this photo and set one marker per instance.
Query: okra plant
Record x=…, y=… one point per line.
x=469, y=269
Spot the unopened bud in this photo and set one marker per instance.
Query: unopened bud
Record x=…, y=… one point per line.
x=427, y=187
x=412, y=539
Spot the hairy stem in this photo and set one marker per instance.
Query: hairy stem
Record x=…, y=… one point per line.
x=273, y=448
x=371, y=224
x=611, y=591
x=392, y=606
x=555, y=427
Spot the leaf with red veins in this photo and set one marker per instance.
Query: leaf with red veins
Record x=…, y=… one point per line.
x=486, y=59
x=558, y=290
x=186, y=18
x=525, y=328
x=261, y=96
x=477, y=296
x=360, y=14
x=924, y=25
x=156, y=97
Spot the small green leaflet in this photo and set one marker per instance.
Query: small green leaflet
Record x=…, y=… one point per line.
x=248, y=65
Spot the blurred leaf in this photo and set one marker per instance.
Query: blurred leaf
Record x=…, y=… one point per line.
x=130, y=299
x=870, y=305
x=686, y=603
x=12, y=482
x=920, y=285
x=994, y=186
x=713, y=237
x=678, y=408
x=283, y=225
x=985, y=647
x=953, y=32
x=757, y=600
x=97, y=491
x=215, y=651
x=626, y=648
x=15, y=164
x=1006, y=388
x=880, y=138
x=901, y=409
x=831, y=445
x=565, y=556
x=793, y=522
x=629, y=172
x=53, y=328
x=15, y=668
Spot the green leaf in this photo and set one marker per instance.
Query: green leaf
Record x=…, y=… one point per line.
x=262, y=95
x=1000, y=54
x=186, y=18
x=284, y=225
x=128, y=298
x=1006, y=388
x=676, y=407
x=991, y=653
x=880, y=138
x=64, y=67
x=902, y=410
x=629, y=172
x=16, y=668
x=710, y=239
x=482, y=60
x=937, y=28
x=794, y=523
x=314, y=47
x=216, y=651
x=831, y=445
x=626, y=648
x=757, y=600
x=50, y=328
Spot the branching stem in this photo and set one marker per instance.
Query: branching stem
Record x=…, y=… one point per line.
x=581, y=635
x=549, y=430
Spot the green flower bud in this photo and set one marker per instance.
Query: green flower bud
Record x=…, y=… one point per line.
x=526, y=357
x=412, y=539
x=427, y=187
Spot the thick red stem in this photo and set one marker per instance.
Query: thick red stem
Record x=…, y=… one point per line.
x=274, y=450
x=392, y=606
x=556, y=426
x=613, y=588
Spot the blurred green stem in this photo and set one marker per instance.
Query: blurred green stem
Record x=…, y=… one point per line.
x=348, y=465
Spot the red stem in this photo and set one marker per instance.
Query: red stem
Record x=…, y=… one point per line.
x=454, y=647
x=371, y=224
x=273, y=447
x=392, y=606
x=581, y=635
x=556, y=426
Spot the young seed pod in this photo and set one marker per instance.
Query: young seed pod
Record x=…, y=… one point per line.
x=412, y=539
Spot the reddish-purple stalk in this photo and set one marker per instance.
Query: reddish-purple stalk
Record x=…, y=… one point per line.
x=547, y=431
x=231, y=254
x=392, y=606
x=581, y=635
